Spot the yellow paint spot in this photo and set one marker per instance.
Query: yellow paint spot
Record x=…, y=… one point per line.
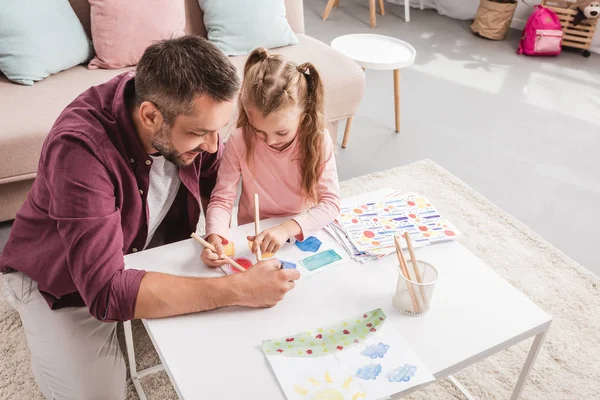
x=332, y=331
x=300, y=390
x=328, y=377
x=267, y=351
x=359, y=395
x=290, y=346
x=347, y=383
x=312, y=343
x=325, y=350
x=331, y=337
x=314, y=381
x=328, y=394
x=345, y=343
x=358, y=321
x=323, y=344
x=302, y=340
x=277, y=343
x=299, y=352
x=345, y=324
x=320, y=329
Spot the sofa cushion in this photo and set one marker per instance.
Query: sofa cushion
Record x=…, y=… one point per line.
x=35, y=45
x=121, y=31
x=344, y=80
x=241, y=26
x=28, y=112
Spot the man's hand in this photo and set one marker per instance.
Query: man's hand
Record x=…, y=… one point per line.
x=210, y=258
x=265, y=284
x=270, y=240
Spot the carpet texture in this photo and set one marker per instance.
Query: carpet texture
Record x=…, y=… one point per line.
x=566, y=367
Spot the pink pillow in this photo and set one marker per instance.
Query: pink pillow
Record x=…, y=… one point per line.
x=122, y=29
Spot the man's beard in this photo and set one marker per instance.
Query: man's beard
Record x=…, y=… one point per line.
x=161, y=141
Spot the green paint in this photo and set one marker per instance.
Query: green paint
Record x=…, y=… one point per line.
x=345, y=331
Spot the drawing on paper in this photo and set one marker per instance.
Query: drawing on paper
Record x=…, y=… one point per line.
x=324, y=341
x=328, y=389
x=375, y=351
x=370, y=371
x=402, y=374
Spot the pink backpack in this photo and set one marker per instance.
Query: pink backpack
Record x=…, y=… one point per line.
x=542, y=35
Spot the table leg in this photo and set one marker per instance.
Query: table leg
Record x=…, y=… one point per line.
x=533, y=353
x=337, y=3
x=347, y=132
x=328, y=8
x=406, y=10
x=373, y=11
x=381, y=7
x=397, y=98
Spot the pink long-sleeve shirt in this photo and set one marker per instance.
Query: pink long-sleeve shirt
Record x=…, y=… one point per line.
x=275, y=177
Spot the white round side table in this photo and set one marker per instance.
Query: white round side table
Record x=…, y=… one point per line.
x=380, y=52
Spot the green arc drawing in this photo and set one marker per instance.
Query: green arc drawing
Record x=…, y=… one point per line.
x=327, y=340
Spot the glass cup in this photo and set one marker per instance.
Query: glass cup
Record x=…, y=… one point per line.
x=412, y=297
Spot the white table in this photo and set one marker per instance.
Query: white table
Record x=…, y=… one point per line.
x=377, y=52
x=372, y=10
x=217, y=354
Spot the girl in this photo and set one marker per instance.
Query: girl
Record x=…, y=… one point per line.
x=282, y=151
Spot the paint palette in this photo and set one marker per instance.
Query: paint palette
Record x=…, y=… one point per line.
x=372, y=226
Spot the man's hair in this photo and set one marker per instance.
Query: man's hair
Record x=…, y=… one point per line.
x=172, y=72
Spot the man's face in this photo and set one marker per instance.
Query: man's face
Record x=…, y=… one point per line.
x=188, y=135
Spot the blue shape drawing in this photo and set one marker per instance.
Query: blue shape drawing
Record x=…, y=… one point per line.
x=376, y=350
x=402, y=374
x=370, y=371
x=310, y=244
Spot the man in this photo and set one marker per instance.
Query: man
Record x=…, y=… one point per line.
x=127, y=162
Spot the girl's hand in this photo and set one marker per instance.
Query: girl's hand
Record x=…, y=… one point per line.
x=270, y=240
x=210, y=258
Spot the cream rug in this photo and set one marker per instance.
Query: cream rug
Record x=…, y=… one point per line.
x=567, y=367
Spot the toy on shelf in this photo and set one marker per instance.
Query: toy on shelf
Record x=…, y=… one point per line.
x=578, y=34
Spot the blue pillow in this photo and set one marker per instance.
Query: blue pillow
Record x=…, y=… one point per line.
x=39, y=38
x=238, y=27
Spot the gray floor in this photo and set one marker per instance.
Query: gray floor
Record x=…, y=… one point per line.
x=524, y=132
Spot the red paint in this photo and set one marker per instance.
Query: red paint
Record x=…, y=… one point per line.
x=369, y=234
x=369, y=325
x=365, y=316
x=423, y=228
x=411, y=203
x=355, y=221
x=340, y=347
x=309, y=351
x=364, y=207
x=386, y=209
x=413, y=216
x=372, y=329
x=381, y=318
x=346, y=332
x=319, y=336
x=290, y=339
x=279, y=351
x=388, y=227
x=243, y=261
x=375, y=219
x=449, y=233
x=355, y=340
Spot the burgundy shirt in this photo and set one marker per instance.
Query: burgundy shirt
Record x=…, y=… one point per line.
x=87, y=207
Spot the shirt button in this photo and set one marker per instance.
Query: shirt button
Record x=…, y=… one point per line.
x=148, y=162
x=141, y=191
x=134, y=250
x=131, y=160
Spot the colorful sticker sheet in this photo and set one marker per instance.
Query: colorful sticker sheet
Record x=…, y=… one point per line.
x=371, y=227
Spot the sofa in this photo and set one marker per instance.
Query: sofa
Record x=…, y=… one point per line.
x=28, y=112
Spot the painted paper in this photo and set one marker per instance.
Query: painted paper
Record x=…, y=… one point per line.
x=362, y=357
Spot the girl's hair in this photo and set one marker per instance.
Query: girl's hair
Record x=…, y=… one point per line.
x=272, y=83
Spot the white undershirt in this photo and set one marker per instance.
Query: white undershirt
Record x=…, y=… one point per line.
x=162, y=189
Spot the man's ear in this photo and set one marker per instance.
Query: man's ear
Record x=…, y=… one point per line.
x=150, y=116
